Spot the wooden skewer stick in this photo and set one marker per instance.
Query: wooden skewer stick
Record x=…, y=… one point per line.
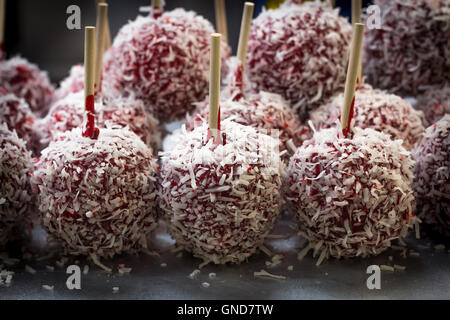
x=221, y=19
x=357, y=18
x=108, y=41
x=352, y=73
x=102, y=14
x=157, y=4
x=244, y=35
x=214, y=85
x=89, y=81
x=333, y=3
x=2, y=27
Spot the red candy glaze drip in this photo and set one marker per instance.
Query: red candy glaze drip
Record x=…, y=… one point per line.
x=350, y=117
x=90, y=131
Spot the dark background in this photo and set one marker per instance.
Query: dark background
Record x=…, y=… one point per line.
x=36, y=29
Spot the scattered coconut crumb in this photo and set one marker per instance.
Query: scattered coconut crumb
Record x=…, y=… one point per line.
x=115, y=289
x=179, y=255
x=85, y=269
x=50, y=268
x=264, y=274
x=8, y=261
x=30, y=269
x=45, y=257
x=212, y=275
x=290, y=268
x=384, y=267
x=391, y=258
x=151, y=253
x=205, y=285
x=266, y=250
x=399, y=268
x=304, y=252
x=414, y=254
x=47, y=287
x=204, y=263
x=278, y=236
x=276, y=260
x=194, y=274
x=163, y=265
x=439, y=247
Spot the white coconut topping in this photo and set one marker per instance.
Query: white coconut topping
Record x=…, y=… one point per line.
x=113, y=177
x=411, y=48
x=26, y=81
x=375, y=213
x=300, y=52
x=69, y=113
x=378, y=110
x=15, y=190
x=221, y=226
x=164, y=61
x=432, y=176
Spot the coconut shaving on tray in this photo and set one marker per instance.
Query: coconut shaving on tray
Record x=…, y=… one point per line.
x=351, y=197
x=299, y=51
